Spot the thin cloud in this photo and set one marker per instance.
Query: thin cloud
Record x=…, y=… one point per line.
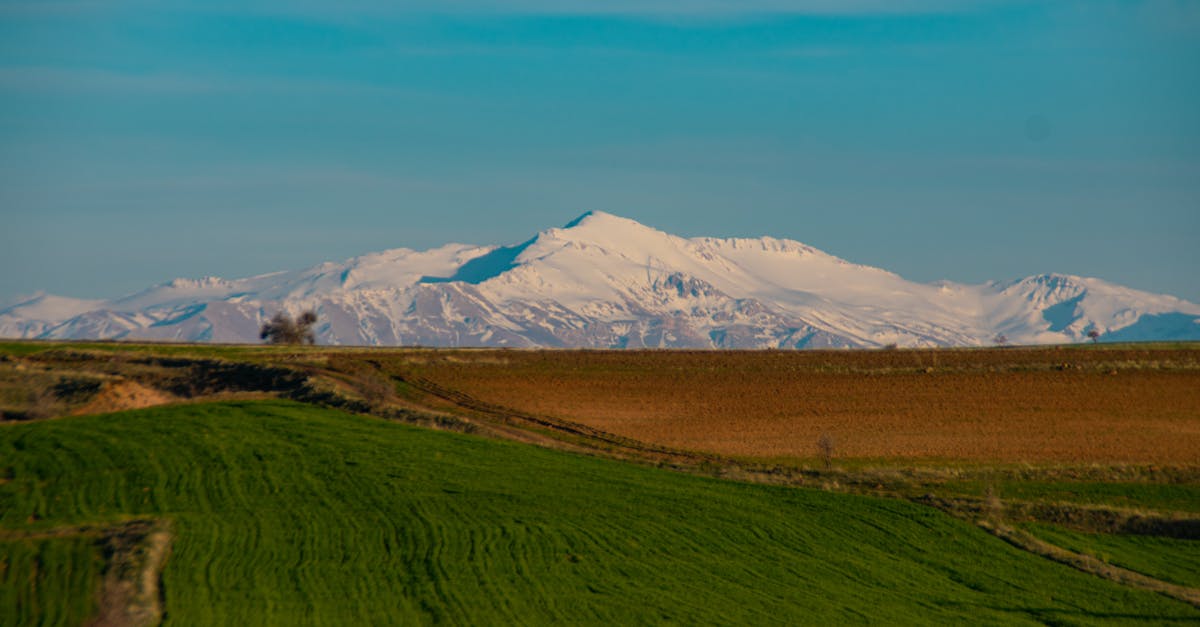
x=614, y=8
x=685, y=8
x=46, y=79
x=89, y=79
x=50, y=7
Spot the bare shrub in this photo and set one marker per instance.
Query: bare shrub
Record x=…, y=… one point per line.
x=282, y=329
x=43, y=403
x=825, y=448
x=993, y=508
x=376, y=389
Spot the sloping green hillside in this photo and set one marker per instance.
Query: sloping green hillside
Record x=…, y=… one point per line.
x=48, y=580
x=287, y=514
x=1170, y=559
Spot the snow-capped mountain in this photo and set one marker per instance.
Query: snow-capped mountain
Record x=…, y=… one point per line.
x=605, y=281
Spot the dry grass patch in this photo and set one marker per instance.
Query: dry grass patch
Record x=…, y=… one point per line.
x=122, y=395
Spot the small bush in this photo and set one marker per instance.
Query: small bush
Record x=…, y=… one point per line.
x=282, y=329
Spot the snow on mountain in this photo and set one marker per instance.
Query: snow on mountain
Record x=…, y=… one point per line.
x=1064, y=308
x=48, y=307
x=607, y=281
x=30, y=316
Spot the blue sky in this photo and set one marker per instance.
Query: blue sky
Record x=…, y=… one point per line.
x=972, y=140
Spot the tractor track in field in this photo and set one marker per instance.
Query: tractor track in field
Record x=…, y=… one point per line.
x=596, y=438
x=1090, y=564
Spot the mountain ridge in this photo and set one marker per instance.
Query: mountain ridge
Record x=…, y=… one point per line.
x=605, y=281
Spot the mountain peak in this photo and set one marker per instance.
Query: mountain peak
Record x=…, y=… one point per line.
x=184, y=283
x=601, y=219
x=1050, y=284
x=579, y=220
x=609, y=230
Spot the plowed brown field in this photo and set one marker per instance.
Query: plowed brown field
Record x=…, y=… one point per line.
x=1092, y=405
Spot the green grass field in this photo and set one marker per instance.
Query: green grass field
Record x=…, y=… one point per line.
x=48, y=581
x=1168, y=559
x=285, y=514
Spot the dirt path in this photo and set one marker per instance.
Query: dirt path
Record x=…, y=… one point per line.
x=1091, y=565
x=131, y=594
x=135, y=553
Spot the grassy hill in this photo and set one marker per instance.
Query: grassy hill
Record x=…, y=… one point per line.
x=1173, y=560
x=287, y=514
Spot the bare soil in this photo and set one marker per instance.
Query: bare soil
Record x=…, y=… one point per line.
x=123, y=395
x=1071, y=406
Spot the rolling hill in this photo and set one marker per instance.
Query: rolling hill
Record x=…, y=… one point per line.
x=288, y=514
